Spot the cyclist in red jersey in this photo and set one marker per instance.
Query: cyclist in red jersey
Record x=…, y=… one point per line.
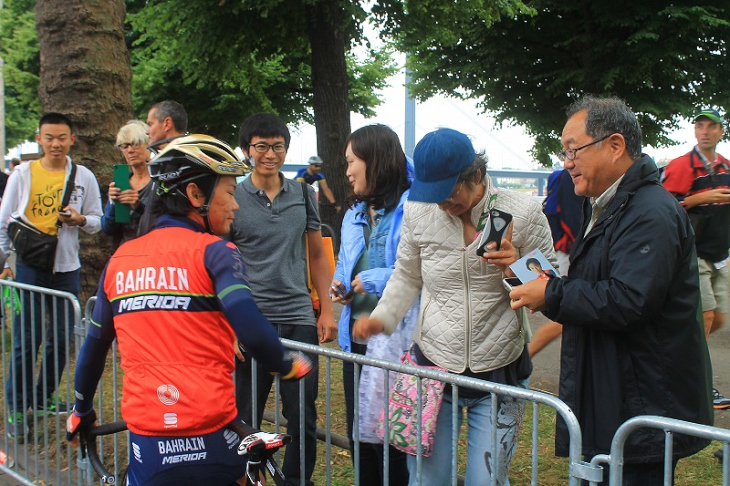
x=175, y=299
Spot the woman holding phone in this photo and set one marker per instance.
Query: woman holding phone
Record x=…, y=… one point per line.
x=466, y=324
x=380, y=177
x=132, y=140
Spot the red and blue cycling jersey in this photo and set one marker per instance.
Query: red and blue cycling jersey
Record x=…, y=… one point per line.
x=175, y=299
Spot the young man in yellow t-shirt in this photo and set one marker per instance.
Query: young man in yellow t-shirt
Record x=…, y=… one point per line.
x=34, y=195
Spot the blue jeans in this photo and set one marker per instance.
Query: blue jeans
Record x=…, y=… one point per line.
x=28, y=327
x=436, y=469
x=289, y=391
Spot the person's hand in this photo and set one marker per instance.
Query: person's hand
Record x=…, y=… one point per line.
x=129, y=196
x=365, y=327
x=503, y=258
x=78, y=423
x=7, y=273
x=716, y=196
x=326, y=327
x=338, y=291
x=338, y=207
x=530, y=295
x=356, y=285
x=71, y=217
x=113, y=191
x=301, y=366
x=239, y=351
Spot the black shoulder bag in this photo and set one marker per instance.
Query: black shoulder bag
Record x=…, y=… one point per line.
x=36, y=248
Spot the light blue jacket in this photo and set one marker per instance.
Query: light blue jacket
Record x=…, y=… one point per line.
x=352, y=245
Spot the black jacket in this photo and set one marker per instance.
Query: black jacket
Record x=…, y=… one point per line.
x=633, y=338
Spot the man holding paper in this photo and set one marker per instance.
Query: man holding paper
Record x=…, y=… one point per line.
x=633, y=340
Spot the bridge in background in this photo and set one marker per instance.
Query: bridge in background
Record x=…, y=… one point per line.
x=540, y=176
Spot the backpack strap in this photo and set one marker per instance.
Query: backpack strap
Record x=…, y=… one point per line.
x=70, y=186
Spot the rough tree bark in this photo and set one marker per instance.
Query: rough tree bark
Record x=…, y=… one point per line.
x=327, y=21
x=85, y=73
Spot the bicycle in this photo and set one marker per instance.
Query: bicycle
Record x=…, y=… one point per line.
x=259, y=452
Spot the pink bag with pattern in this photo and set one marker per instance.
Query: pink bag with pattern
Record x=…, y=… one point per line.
x=403, y=410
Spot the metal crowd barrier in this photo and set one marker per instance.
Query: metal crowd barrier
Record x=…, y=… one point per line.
x=578, y=468
x=42, y=456
x=670, y=426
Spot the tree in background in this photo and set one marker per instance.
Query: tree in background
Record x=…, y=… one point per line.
x=225, y=61
x=85, y=73
x=19, y=51
x=665, y=59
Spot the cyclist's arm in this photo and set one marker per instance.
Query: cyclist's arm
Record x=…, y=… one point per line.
x=92, y=357
x=228, y=272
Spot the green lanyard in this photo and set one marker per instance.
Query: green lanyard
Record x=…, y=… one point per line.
x=485, y=215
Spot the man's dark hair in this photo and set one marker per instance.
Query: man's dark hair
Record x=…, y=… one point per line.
x=606, y=116
x=386, y=170
x=264, y=125
x=175, y=111
x=56, y=119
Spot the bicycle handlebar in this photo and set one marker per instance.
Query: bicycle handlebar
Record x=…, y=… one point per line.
x=88, y=443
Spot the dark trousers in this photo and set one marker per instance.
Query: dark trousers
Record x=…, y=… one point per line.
x=371, y=455
x=649, y=474
x=289, y=392
x=28, y=333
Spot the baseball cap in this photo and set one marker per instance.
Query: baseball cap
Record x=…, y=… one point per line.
x=713, y=115
x=438, y=159
x=315, y=160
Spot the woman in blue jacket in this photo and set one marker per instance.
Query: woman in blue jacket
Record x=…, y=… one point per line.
x=380, y=177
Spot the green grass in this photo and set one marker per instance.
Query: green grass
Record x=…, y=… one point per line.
x=699, y=470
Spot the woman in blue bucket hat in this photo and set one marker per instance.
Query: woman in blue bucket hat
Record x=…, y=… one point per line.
x=465, y=323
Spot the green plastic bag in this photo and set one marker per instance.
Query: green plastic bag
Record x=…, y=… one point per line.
x=11, y=297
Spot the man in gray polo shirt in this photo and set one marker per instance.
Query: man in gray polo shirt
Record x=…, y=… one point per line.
x=270, y=230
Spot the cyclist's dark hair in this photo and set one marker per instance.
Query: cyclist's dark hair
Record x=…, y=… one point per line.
x=175, y=111
x=170, y=203
x=264, y=125
x=56, y=119
x=386, y=170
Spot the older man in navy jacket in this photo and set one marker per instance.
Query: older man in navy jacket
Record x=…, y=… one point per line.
x=633, y=340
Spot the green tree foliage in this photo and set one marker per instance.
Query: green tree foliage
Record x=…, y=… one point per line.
x=665, y=59
x=19, y=51
x=223, y=60
x=227, y=60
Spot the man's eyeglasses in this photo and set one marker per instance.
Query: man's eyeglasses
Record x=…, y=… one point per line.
x=569, y=154
x=262, y=147
x=125, y=146
x=452, y=198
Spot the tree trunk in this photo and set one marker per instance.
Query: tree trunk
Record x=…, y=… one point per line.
x=326, y=23
x=85, y=73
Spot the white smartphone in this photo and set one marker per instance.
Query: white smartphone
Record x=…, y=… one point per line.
x=511, y=282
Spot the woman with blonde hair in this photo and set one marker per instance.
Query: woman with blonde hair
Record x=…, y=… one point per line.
x=132, y=140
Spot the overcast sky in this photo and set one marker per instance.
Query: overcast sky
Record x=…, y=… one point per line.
x=506, y=147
